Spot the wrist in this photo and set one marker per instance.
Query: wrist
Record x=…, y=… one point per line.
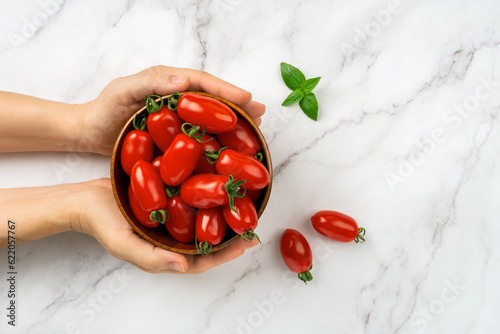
x=41, y=211
x=76, y=128
x=87, y=196
x=95, y=133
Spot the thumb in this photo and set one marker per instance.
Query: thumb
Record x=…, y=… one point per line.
x=154, y=80
x=148, y=256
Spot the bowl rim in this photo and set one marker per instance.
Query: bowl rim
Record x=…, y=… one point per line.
x=114, y=160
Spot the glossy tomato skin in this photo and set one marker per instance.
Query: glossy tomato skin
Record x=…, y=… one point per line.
x=147, y=186
x=157, y=163
x=205, y=191
x=180, y=159
x=163, y=126
x=210, y=225
x=244, y=219
x=243, y=167
x=295, y=251
x=137, y=145
x=209, y=143
x=215, y=116
x=242, y=138
x=181, y=221
x=141, y=215
x=335, y=225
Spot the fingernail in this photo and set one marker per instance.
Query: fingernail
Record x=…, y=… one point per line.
x=176, y=266
x=178, y=79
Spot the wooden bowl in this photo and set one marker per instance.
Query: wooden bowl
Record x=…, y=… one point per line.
x=159, y=236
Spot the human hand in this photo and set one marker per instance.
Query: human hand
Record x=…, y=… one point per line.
x=103, y=118
x=101, y=218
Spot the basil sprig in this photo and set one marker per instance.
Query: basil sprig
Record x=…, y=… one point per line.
x=301, y=90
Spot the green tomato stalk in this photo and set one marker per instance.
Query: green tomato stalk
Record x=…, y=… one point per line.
x=360, y=237
x=159, y=216
x=306, y=276
x=233, y=188
x=203, y=247
x=151, y=105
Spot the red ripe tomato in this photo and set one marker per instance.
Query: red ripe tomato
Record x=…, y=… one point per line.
x=141, y=215
x=210, y=229
x=199, y=110
x=243, y=220
x=337, y=226
x=296, y=253
x=163, y=126
x=157, y=163
x=208, y=143
x=148, y=187
x=136, y=146
x=181, y=221
x=243, y=167
x=181, y=158
x=242, y=138
x=205, y=191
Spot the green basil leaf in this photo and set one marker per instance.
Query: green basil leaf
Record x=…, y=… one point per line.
x=292, y=76
x=309, y=84
x=294, y=97
x=309, y=106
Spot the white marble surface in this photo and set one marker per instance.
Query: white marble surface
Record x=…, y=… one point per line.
x=407, y=142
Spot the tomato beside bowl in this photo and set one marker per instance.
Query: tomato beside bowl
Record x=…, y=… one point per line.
x=159, y=236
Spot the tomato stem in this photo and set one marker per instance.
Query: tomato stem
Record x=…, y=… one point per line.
x=173, y=100
x=259, y=156
x=213, y=156
x=159, y=216
x=306, y=276
x=203, y=247
x=172, y=191
x=151, y=105
x=360, y=237
x=139, y=118
x=249, y=235
x=193, y=132
x=233, y=190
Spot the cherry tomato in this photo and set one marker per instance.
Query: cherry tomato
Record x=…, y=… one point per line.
x=210, y=229
x=142, y=216
x=337, y=226
x=243, y=219
x=136, y=146
x=181, y=221
x=164, y=125
x=296, y=253
x=199, y=110
x=242, y=166
x=147, y=186
x=208, y=143
x=181, y=157
x=242, y=138
x=205, y=191
x=157, y=163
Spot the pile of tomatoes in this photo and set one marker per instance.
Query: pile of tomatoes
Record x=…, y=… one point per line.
x=194, y=167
